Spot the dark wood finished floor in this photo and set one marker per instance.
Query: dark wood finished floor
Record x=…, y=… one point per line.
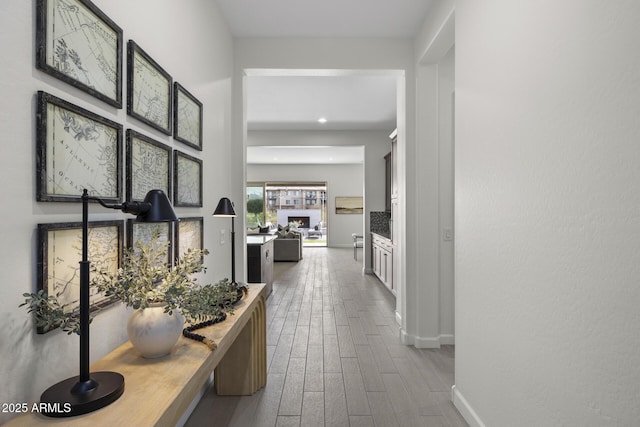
x=334, y=357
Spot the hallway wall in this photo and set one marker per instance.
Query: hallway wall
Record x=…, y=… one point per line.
x=163, y=28
x=547, y=212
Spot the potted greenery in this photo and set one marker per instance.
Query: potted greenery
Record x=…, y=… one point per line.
x=158, y=293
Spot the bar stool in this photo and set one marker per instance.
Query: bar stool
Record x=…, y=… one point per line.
x=357, y=243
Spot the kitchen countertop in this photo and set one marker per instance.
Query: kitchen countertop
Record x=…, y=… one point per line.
x=385, y=234
x=259, y=239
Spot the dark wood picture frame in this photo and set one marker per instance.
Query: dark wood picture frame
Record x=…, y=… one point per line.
x=187, y=180
x=146, y=230
x=87, y=51
x=187, y=117
x=189, y=235
x=149, y=90
x=76, y=149
x=148, y=164
x=59, y=254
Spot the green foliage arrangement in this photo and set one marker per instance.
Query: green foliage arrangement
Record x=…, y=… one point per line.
x=145, y=278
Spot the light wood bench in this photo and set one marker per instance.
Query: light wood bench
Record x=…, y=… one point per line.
x=158, y=391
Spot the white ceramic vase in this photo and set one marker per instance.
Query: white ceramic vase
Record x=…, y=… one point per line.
x=153, y=332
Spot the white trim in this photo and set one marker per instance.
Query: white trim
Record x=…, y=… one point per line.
x=465, y=409
x=447, y=339
x=398, y=318
x=405, y=338
x=425, y=342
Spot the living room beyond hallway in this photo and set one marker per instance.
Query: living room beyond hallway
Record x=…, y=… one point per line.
x=334, y=357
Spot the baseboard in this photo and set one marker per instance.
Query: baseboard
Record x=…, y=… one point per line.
x=447, y=339
x=425, y=342
x=405, y=338
x=398, y=318
x=465, y=409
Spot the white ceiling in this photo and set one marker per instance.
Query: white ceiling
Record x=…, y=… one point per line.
x=294, y=100
x=326, y=18
x=305, y=155
x=354, y=102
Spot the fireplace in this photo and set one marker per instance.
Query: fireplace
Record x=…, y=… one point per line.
x=303, y=221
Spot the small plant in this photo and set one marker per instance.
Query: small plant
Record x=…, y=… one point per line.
x=145, y=278
x=49, y=313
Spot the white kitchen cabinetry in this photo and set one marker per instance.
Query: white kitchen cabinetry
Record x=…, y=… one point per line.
x=382, y=260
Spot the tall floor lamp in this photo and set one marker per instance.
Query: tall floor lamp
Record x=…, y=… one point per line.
x=91, y=391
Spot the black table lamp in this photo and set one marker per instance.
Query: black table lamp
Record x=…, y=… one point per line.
x=91, y=391
x=225, y=209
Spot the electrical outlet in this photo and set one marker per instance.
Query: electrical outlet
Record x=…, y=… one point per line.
x=222, y=236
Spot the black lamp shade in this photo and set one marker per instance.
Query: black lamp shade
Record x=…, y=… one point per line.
x=224, y=208
x=161, y=209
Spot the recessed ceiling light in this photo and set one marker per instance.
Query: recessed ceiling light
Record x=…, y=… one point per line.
x=322, y=120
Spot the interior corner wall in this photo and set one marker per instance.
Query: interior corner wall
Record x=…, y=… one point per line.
x=191, y=42
x=547, y=212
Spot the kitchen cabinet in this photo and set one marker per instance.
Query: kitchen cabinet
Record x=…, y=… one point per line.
x=382, y=260
x=260, y=261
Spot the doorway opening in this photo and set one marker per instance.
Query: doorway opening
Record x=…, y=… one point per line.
x=299, y=205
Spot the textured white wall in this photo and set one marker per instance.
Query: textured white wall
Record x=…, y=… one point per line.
x=192, y=43
x=429, y=313
x=548, y=212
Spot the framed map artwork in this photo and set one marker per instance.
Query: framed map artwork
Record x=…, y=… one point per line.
x=148, y=90
x=76, y=149
x=78, y=44
x=187, y=177
x=148, y=166
x=60, y=252
x=145, y=232
x=187, y=117
x=189, y=235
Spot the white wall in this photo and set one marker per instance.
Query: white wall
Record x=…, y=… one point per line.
x=547, y=212
x=376, y=145
x=342, y=180
x=192, y=43
x=429, y=305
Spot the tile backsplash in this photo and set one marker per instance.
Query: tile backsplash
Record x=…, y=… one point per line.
x=379, y=222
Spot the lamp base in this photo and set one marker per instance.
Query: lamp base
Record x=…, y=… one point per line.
x=71, y=397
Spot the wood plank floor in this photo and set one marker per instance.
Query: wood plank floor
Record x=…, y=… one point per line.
x=334, y=357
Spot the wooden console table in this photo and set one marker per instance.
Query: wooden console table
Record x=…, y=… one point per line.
x=158, y=391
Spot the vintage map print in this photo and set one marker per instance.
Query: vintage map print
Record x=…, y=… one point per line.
x=76, y=150
x=187, y=180
x=189, y=235
x=80, y=45
x=148, y=166
x=148, y=90
x=187, y=117
x=61, y=252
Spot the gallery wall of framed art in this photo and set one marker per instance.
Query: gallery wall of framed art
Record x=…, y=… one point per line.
x=81, y=148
